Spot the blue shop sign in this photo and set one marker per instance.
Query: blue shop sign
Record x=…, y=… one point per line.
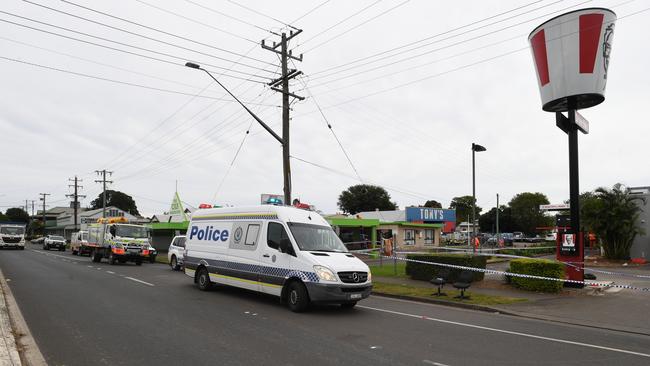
x=429, y=214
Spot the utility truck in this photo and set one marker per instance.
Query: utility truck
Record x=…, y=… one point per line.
x=12, y=235
x=117, y=241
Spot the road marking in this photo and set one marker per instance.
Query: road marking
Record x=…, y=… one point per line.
x=508, y=332
x=137, y=280
x=57, y=255
x=434, y=363
x=111, y=272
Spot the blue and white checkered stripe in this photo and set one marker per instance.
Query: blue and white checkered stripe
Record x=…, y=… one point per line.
x=266, y=270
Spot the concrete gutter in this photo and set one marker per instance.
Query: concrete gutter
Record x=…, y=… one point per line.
x=443, y=302
x=21, y=348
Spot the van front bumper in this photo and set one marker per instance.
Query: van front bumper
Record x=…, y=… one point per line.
x=336, y=293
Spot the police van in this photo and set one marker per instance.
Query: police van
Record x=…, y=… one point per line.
x=282, y=251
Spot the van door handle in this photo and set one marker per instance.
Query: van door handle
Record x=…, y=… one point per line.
x=266, y=256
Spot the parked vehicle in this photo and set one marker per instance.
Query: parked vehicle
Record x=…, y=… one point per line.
x=12, y=236
x=117, y=241
x=54, y=241
x=283, y=251
x=79, y=243
x=38, y=240
x=152, y=254
x=175, y=254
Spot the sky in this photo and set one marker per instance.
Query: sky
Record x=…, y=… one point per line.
x=406, y=86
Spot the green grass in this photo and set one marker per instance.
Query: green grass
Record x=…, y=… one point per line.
x=162, y=259
x=387, y=270
x=427, y=293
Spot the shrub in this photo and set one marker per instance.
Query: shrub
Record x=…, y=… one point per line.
x=425, y=272
x=537, y=267
x=527, y=252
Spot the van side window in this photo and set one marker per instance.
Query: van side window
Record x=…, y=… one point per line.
x=251, y=234
x=275, y=234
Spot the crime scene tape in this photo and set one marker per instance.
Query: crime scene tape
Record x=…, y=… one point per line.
x=520, y=275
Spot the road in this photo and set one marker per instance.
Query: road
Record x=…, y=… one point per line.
x=84, y=313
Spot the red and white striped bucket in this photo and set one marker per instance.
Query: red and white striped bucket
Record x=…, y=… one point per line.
x=571, y=55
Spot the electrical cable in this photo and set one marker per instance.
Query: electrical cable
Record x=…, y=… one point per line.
x=111, y=80
x=204, y=7
x=342, y=21
x=216, y=193
x=261, y=14
x=182, y=59
x=310, y=11
x=165, y=32
x=196, y=21
x=358, y=25
x=430, y=37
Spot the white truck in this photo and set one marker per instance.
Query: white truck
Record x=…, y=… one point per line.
x=117, y=241
x=79, y=242
x=12, y=236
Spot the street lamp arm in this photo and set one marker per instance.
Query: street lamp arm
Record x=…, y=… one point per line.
x=266, y=127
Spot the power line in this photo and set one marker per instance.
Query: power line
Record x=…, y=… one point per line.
x=167, y=33
x=435, y=36
x=248, y=130
x=261, y=14
x=183, y=59
x=204, y=7
x=358, y=25
x=311, y=11
x=196, y=21
x=110, y=80
x=343, y=20
x=100, y=63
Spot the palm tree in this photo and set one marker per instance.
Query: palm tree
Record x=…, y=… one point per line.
x=613, y=215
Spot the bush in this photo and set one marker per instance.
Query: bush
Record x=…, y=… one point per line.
x=527, y=252
x=425, y=272
x=537, y=267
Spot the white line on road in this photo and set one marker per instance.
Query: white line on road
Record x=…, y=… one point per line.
x=57, y=255
x=508, y=332
x=111, y=272
x=137, y=280
x=434, y=363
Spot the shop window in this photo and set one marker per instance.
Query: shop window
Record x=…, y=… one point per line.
x=409, y=237
x=428, y=237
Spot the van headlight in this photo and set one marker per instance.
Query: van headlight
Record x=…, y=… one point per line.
x=325, y=274
x=369, y=276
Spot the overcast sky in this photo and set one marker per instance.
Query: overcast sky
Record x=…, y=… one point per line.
x=406, y=117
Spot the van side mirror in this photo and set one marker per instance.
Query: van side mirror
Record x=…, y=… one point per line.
x=285, y=246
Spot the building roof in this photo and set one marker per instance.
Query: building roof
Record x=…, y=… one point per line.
x=383, y=216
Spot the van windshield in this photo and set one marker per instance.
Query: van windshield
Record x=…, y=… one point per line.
x=12, y=230
x=128, y=231
x=316, y=238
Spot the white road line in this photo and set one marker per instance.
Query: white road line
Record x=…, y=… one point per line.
x=434, y=363
x=111, y=272
x=137, y=280
x=57, y=255
x=507, y=332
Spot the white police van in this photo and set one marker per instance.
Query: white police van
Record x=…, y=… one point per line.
x=282, y=251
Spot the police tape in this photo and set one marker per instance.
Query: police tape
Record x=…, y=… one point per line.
x=521, y=275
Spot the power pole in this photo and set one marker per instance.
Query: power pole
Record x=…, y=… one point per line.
x=26, y=206
x=43, y=197
x=76, y=196
x=285, y=55
x=33, y=208
x=498, y=235
x=102, y=173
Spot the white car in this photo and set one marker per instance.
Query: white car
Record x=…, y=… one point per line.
x=54, y=241
x=175, y=252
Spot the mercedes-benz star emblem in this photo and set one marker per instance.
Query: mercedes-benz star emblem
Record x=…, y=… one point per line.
x=355, y=277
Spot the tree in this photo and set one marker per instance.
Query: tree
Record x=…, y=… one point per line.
x=433, y=204
x=17, y=215
x=487, y=221
x=3, y=217
x=365, y=197
x=526, y=213
x=117, y=199
x=463, y=207
x=614, y=217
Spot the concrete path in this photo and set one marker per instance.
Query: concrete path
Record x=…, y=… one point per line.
x=8, y=351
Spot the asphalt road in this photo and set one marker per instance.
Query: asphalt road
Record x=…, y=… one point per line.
x=82, y=313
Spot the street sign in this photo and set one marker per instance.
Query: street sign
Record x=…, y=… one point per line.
x=582, y=123
x=555, y=207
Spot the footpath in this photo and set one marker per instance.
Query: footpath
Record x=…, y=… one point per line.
x=17, y=346
x=607, y=308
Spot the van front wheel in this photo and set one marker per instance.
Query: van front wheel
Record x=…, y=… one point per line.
x=297, y=297
x=203, y=279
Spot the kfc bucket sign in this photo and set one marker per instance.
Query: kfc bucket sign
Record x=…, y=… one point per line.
x=571, y=56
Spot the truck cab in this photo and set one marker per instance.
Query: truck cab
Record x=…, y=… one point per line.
x=12, y=236
x=118, y=241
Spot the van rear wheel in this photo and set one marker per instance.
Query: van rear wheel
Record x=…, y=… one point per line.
x=297, y=297
x=203, y=279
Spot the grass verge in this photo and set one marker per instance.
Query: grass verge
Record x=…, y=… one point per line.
x=162, y=259
x=388, y=270
x=427, y=293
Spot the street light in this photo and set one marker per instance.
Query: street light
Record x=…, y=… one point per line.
x=475, y=148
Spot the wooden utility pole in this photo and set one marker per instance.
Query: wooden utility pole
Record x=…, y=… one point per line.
x=102, y=173
x=287, y=74
x=75, y=196
x=43, y=197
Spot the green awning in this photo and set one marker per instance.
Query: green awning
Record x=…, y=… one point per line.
x=344, y=222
